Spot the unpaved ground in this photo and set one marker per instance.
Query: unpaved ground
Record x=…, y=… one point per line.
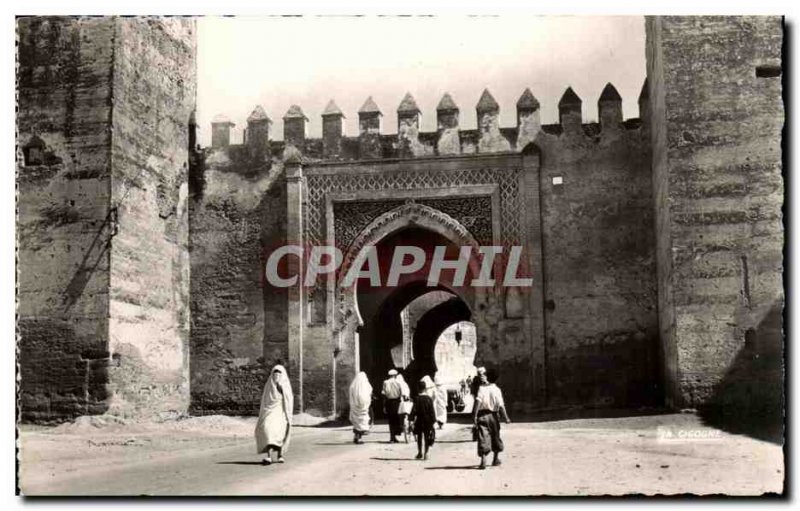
x=215, y=456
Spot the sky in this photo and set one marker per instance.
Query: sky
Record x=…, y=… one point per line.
x=276, y=61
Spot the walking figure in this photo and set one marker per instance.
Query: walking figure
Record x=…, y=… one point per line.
x=405, y=407
x=488, y=408
x=440, y=402
x=360, y=406
x=274, y=426
x=423, y=417
x=392, y=392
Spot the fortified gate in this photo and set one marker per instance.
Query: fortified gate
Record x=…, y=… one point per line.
x=653, y=244
x=576, y=193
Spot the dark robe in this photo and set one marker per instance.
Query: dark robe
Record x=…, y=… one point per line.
x=395, y=421
x=423, y=416
x=488, y=433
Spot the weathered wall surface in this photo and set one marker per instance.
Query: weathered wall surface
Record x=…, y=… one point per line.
x=154, y=87
x=103, y=223
x=238, y=324
x=718, y=193
x=64, y=233
x=600, y=288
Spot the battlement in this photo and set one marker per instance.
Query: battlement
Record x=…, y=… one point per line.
x=448, y=139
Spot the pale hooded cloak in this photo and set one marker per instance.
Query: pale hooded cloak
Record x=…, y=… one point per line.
x=440, y=401
x=360, y=400
x=274, y=424
x=405, y=391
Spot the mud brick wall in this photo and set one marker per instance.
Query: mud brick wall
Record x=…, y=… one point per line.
x=599, y=262
x=715, y=83
x=63, y=206
x=103, y=225
x=239, y=326
x=154, y=95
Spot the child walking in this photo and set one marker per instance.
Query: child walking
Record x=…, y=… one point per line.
x=423, y=417
x=489, y=408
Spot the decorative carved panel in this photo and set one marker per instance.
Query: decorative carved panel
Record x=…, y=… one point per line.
x=474, y=213
x=351, y=217
x=512, y=208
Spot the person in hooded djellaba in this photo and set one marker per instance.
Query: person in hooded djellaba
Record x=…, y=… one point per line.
x=360, y=403
x=274, y=426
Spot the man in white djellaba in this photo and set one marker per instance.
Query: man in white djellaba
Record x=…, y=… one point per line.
x=392, y=393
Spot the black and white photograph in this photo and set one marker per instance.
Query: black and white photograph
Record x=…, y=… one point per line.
x=401, y=256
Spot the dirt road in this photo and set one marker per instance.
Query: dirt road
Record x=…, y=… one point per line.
x=571, y=457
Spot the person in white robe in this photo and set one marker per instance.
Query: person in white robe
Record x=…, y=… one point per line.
x=360, y=401
x=430, y=387
x=274, y=425
x=405, y=406
x=405, y=390
x=392, y=395
x=440, y=402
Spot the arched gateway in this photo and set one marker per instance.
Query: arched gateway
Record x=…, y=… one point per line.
x=423, y=227
x=453, y=203
x=575, y=198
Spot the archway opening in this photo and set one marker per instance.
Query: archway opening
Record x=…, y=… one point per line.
x=454, y=354
x=401, y=324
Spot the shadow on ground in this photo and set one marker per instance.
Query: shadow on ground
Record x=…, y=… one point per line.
x=240, y=463
x=570, y=413
x=749, y=398
x=474, y=466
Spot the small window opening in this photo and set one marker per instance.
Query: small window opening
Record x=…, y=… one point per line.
x=768, y=71
x=33, y=152
x=34, y=156
x=558, y=180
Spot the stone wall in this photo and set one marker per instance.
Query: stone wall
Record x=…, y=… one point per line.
x=154, y=96
x=103, y=266
x=715, y=83
x=238, y=324
x=64, y=228
x=599, y=263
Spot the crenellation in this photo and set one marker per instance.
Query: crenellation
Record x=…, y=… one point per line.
x=409, y=142
x=221, y=131
x=369, y=130
x=332, y=131
x=490, y=139
x=529, y=122
x=294, y=127
x=448, y=141
x=569, y=112
x=408, y=115
x=609, y=108
x=256, y=137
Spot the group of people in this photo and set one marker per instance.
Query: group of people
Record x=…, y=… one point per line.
x=423, y=414
x=427, y=410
